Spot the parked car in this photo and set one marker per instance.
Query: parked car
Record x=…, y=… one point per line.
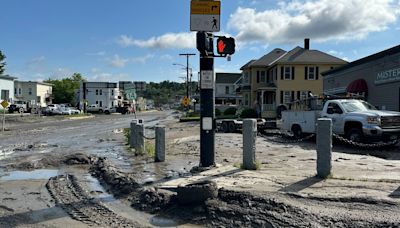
x=65, y=111
x=20, y=106
x=94, y=108
x=74, y=111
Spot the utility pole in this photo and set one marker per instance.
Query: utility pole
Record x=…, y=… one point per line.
x=84, y=96
x=187, y=71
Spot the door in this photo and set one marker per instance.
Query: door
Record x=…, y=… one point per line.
x=337, y=117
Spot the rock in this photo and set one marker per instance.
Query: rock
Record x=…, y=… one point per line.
x=197, y=193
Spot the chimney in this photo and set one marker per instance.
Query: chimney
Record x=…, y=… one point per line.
x=307, y=43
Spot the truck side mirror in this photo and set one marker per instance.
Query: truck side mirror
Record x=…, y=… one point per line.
x=330, y=110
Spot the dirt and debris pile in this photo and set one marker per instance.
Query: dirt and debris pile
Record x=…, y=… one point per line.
x=153, y=200
x=55, y=160
x=79, y=159
x=119, y=183
x=197, y=192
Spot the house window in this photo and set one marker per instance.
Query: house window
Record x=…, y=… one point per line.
x=112, y=92
x=97, y=102
x=15, y=91
x=311, y=73
x=258, y=76
x=101, y=103
x=246, y=78
x=101, y=92
x=303, y=95
x=5, y=94
x=287, y=97
x=287, y=73
x=246, y=99
x=19, y=91
x=263, y=77
x=97, y=92
x=30, y=91
x=38, y=99
x=226, y=89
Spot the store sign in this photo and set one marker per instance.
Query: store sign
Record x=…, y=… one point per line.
x=388, y=76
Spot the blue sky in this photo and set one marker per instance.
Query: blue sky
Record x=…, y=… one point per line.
x=140, y=40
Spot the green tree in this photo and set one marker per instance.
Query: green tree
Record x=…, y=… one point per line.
x=2, y=63
x=64, y=90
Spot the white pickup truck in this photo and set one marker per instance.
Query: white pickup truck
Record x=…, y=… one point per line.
x=354, y=119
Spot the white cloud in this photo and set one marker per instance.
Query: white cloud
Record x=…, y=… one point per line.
x=117, y=61
x=142, y=59
x=166, y=57
x=36, y=65
x=320, y=20
x=99, y=53
x=108, y=77
x=166, y=41
x=61, y=73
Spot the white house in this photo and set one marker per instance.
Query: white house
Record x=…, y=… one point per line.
x=6, y=89
x=225, y=88
x=104, y=94
x=38, y=93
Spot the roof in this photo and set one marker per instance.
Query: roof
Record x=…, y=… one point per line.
x=7, y=77
x=301, y=55
x=40, y=83
x=247, y=64
x=228, y=78
x=268, y=59
x=390, y=51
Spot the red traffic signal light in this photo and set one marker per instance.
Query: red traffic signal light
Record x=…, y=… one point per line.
x=225, y=46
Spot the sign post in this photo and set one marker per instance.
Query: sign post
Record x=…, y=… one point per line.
x=5, y=105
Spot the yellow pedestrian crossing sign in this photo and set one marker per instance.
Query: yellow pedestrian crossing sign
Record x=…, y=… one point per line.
x=4, y=104
x=185, y=101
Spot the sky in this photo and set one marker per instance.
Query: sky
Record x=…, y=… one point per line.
x=135, y=40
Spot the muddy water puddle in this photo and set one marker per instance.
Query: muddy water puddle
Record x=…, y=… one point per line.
x=38, y=174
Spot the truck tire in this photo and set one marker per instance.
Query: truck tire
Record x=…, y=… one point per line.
x=225, y=127
x=100, y=110
x=232, y=127
x=107, y=112
x=355, y=135
x=297, y=132
x=21, y=110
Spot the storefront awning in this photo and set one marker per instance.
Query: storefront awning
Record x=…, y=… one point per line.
x=357, y=86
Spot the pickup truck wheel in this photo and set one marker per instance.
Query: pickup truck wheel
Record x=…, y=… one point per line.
x=107, y=112
x=21, y=110
x=355, y=135
x=232, y=127
x=225, y=127
x=297, y=132
x=100, y=110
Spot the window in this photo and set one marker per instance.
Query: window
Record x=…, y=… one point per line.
x=19, y=91
x=30, y=91
x=15, y=91
x=246, y=78
x=97, y=102
x=287, y=98
x=258, y=76
x=287, y=73
x=303, y=95
x=101, y=92
x=226, y=89
x=5, y=94
x=97, y=92
x=101, y=102
x=246, y=99
x=263, y=77
x=38, y=99
x=311, y=73
x=112, y=92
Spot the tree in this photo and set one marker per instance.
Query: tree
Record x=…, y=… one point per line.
x=2, y=63
x=64, y=90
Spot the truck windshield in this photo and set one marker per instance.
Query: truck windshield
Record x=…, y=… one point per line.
x=357, y=106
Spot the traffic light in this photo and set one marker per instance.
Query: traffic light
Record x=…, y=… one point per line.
x=225, y=45
x=205, y=43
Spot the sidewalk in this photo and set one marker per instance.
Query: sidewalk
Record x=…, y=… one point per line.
x=293, y=172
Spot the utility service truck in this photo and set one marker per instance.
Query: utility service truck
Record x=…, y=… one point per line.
x=353, y=119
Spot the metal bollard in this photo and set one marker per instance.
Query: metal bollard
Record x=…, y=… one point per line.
x=249, y=143
x=133, y=136
x=160, y=144
x=324, y=147
x=140, y=138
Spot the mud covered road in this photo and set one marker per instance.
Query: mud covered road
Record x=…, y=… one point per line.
x=57, y=172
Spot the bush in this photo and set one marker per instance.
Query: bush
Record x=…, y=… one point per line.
x=217, y=112
x=248, y=113
x=230, y=111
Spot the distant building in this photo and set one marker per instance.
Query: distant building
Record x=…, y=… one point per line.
x=376, y=78
x=103, y=94
x=38, y=93
x=140, y=86
x=225, y=89
x=127, y=90
x=6, y=88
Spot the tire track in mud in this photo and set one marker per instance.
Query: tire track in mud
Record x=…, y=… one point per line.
x=74, y=200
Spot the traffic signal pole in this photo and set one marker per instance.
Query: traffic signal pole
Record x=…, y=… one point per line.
x=207, y=115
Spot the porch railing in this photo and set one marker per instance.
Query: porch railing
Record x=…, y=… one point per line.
x=268, y=107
